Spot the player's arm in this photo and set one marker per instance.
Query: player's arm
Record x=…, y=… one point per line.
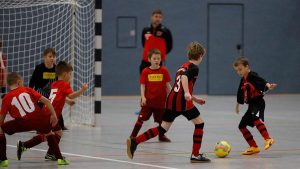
x=198, y=100
x=271, y=86
x=78, y=92
x=169, y=87
x=143, y=97
x=53, y=118
x=169, y=40
x=185, y=86
x=70, y=102
x=2, y=117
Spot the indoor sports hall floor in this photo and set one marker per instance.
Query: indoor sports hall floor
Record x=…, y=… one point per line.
x=104, y=147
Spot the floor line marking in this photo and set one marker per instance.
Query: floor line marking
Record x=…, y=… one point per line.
x=102, y=158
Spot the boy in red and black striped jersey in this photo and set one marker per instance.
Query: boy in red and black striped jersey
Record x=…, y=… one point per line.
x=155, y=83
x=250, y=91
x=180, y=102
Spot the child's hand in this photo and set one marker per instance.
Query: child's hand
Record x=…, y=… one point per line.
x=187, y=96
x=143, y=101
x=84, y=86
x=53, y=120
x=237, y=108
x=70, y=102
x=271, y=86
x=200, y=101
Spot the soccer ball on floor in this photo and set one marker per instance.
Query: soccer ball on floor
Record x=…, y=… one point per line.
x=222, y=149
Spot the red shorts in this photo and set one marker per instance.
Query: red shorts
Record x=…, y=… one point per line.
x=146, y=113
x=41, y=124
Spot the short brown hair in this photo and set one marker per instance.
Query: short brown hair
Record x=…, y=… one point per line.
x=241, y=61
x=49, y=50
x=63, y=67
x=195, y=50
x=157, y=11
x=152, y=52
x=12, y=78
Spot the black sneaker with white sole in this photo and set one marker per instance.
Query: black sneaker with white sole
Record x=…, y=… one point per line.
x=201, y=158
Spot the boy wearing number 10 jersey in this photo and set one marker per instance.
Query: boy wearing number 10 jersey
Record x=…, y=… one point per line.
x=60, y=90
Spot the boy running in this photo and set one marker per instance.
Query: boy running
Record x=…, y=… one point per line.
x=180, y=102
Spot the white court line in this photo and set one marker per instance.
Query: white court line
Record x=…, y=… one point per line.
x=101, y=158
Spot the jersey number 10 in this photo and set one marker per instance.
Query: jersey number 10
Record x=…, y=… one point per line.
x=24, y=104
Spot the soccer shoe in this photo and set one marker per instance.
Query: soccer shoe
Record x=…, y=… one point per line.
x=50, y=157
x=4, y=163
x=20, y=149
x=201, y=158
x=164, y=138
x=131, y=147
x=63, y=162
x=269, y=143
x=251, y=150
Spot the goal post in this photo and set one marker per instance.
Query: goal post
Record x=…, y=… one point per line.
x=28, y=27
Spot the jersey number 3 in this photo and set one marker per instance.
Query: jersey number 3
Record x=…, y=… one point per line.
x=177, y=87
x=24, y=104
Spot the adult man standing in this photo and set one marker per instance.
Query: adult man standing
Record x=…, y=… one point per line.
x=156, y=36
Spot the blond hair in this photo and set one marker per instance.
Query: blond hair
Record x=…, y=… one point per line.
x=195, y=50
x=241, y=61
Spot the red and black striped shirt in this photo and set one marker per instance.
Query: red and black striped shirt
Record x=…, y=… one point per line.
x=176, y=100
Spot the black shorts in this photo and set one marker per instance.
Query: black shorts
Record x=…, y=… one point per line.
x=170, y=115
x=255, y=112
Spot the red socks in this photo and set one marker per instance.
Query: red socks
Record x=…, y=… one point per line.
x=36, y=140
x=147, y=135
x=197, y=138
x=262, y=129
x=137, y=127
x=248, y=137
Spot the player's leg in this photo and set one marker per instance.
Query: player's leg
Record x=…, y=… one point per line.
x=55, y=149
x=57, y=134
x=144, y=115
x=132, y=143
x=158, y=116
x=194, y=116
x=247, y=119
x=3, y=157
x=34, y=141
x=259, y=109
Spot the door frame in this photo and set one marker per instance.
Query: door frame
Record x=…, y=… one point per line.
x=208, y=36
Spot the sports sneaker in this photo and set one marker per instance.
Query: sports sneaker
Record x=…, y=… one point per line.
x=131, y=147
x=201, y=158
x=4, y=163
x=269, y=143
x=63, y=162
x=164, y=138
x=251, y=150
x=50, y=157
x=20, y=149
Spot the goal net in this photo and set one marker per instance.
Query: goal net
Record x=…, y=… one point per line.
x=27, y=27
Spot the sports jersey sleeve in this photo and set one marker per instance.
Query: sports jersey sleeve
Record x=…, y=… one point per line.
x=143, y=77
x=191, y=72
x=68, y=90
x=240, y=95
x=33, y=78
x=258, y=82
x=4, y=106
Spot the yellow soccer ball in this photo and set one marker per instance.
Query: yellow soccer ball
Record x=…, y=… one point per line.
x=222, y=149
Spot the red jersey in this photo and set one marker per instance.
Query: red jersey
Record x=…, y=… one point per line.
x=155, y=86
x=155, y=42
x=59, y=91
x=176, y=100
x=21, y=103
x=2, y=68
